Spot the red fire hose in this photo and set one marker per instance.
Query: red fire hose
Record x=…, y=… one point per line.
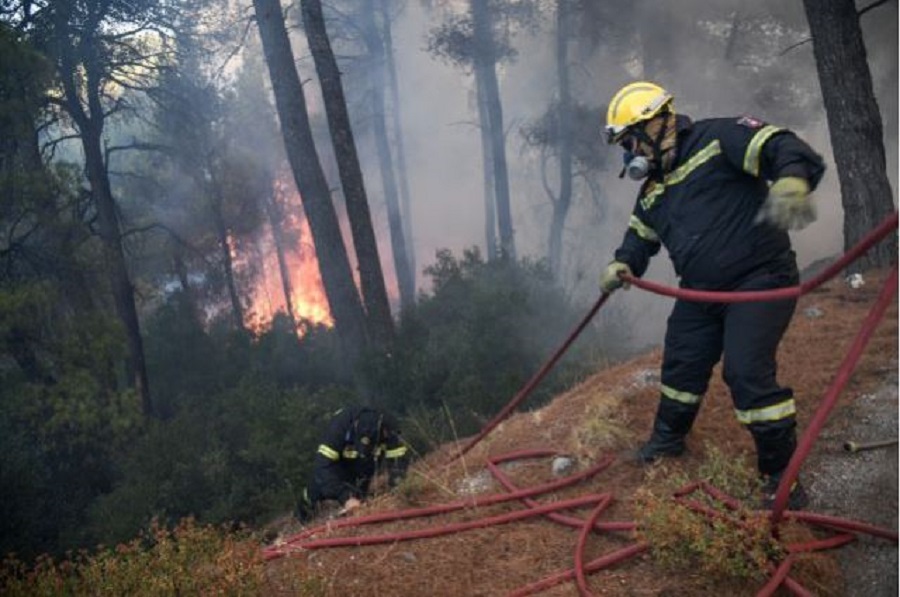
x=601, y=502
x=804, y=446
x=535, y=380
x=867, y=242
x=779, y=575
x=303, y=540
x=703, y=296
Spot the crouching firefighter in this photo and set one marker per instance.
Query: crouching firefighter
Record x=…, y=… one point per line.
x=358, y=441
x=720, y=194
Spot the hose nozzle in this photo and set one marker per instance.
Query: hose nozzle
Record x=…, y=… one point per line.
x=853, y=447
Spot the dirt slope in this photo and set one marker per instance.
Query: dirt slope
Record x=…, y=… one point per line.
x=609, y=414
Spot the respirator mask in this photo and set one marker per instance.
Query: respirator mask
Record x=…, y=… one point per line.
x=636, y=166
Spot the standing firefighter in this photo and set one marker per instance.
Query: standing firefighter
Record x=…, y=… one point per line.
x=357, y=441
x=707, y=197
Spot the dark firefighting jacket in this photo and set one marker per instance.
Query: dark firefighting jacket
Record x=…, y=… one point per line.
x=356, y=442
x=704, y=209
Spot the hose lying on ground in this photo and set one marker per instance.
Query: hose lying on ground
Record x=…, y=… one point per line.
x=779, y=575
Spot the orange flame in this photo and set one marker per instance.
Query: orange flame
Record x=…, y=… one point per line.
x=308, y=300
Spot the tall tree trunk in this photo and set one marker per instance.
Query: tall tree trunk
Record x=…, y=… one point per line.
x=487, y=178
x=290, y=103
x=854, y=124
x=381, y=325
x=486, y=75
x=402, y=172
x=89, y=121
x=374, y=44
x=237, y=309
x=188, y=294
x=276, y=223
x=564, y=119
x=114, y=255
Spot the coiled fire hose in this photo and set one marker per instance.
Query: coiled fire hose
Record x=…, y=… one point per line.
x=778, y=574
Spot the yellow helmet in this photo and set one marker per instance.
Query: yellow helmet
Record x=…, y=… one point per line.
x=634, y=103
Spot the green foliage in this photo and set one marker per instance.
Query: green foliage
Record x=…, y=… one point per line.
x=241, y=454
x=737, y=547
x=188, y=560
x=467, y=347
x=729, y=545
x=546, y=133
x=24, y=76
x=735, y=476
x=187, y=361
x=453, y=40
x=62, y=421
x=242, y=413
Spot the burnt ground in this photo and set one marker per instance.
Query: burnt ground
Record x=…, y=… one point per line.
x=609, y=414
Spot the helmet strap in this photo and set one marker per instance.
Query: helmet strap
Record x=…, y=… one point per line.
x=657, y=149
x=662, y=144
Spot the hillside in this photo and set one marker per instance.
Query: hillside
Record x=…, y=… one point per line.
x=609, y=414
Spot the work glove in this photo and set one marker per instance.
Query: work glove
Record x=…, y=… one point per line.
x=349, y=506
x=788, y=205
x=610, y=280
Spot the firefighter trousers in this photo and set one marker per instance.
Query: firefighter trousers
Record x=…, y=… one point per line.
x=746, y=337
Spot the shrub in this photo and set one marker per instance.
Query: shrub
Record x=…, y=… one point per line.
x=480, y=334
x=732, y=544
x=242, y=455
x=187, y=560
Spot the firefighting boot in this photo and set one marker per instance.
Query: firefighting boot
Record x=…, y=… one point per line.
x=673, y=421
x=775, y=444
x=305, y=510
x=797, y=499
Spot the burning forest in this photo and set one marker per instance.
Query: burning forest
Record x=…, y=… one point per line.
x=224, y=221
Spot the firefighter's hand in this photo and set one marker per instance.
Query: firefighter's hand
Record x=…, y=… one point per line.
x=610, y=279
x=349, y=506
x=788, y=205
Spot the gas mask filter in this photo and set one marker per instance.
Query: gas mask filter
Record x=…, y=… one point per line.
x=636, y=166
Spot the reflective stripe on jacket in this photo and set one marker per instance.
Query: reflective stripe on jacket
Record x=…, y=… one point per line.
x=343, y=466
x=704, y=209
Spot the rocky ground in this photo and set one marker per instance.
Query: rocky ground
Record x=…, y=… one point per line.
x=861, y=485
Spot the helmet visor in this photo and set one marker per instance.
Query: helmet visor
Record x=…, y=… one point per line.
x=614, y=133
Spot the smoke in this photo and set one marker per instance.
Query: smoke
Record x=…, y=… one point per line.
x=719, y=58
x=723, y=58
x=442, y=144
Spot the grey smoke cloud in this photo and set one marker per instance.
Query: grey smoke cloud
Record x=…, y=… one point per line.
x=710, y=73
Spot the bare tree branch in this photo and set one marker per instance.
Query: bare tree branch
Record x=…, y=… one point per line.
x=859, y=13
x=51, y=145
x=139, y=146
x=237, y=48
x=876, y=4
x=169, y=231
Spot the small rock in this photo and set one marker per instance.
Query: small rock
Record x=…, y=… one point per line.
x=855, y=281
x=475, y=484
x=814, y=313
x=646, y=377
x=562, y=465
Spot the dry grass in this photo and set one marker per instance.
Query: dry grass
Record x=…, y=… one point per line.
x=610, y=413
